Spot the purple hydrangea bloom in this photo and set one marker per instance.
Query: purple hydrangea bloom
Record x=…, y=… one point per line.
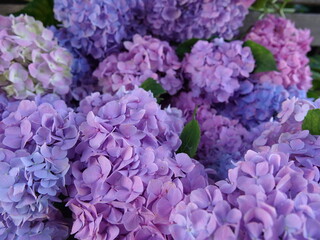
x=126, y=177
x=215, y=69
x=287, y=135
x=182, y=20
x=98, y=27
x=146, y=57
x=52, y=229
x=289, y=45
x=205, y=215
x=31, y=60
x=35, y=139
x=195, y=179
x=290, y=119
x=223, y=140
x=261, y=102
x=272, y=193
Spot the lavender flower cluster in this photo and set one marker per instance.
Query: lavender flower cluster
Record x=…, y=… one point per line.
x=233, y=101
x=76, y=130
x=31, y=61
x=204, y=214
x=287, y=134
x=181, y=20
x=126, y=175
x=276, y=198
x=35, y=140
x=99, y=27
x=146, y=57
x=272, y=194
x=215, y=69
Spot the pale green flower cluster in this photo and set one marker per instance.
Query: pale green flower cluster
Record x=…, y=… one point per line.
x=31, y=61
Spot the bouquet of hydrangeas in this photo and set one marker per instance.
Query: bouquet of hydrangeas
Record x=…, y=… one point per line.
x=142, y=119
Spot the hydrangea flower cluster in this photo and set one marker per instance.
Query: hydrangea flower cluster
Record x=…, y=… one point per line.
x=98, y=27
x=223, y=140
x=35, y=140
x=276, y=198
x=215, y=69
x=181, y=20
x=271, y=194
x=261, y=102
x=113, y=159
x=31, y=60
x=146, y=57
x=126, y=177
x=83, y=83
x=52, y=229
x=287, y=135
x=289, y=46
x=204, y=214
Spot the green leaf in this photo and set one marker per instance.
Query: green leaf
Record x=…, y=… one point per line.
x=41, y=10
x=190, y=138
x=186, y=47
x=259, y=4
x=265, y=61
x=315, y=63
x=313, y=94
x=151, y=85
x=316, y=76
x=312, y=122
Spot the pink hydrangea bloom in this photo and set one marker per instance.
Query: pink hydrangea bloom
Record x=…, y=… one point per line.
x=289, y=45
x=146, y=57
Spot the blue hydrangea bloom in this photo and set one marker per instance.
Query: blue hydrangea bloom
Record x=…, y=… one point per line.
x=83, y=84
x=35, y=140
x=98, y=27
x=258, y=103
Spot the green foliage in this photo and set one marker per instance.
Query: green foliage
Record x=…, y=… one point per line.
x=272, y=6
x=314, y=92
x=186, y=47
x=312, y=122
x=265, y=61
x=259, y=4
x=190, y=138
x=41, y=10
x=151, y=85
